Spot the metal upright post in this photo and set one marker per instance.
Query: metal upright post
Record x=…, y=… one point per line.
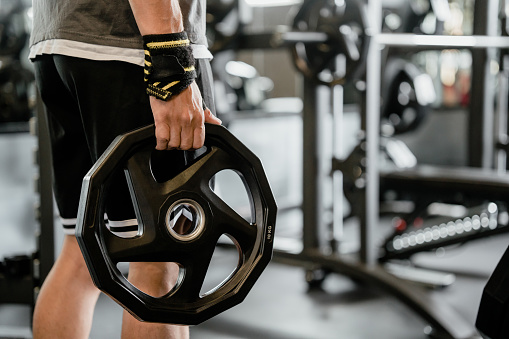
x=337, y=176
x=502, y=112
x=502, y=116
x=313, y=217
x=368, y=253
x=481, y=117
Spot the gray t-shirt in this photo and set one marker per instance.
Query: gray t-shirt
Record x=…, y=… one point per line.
x=105, y=22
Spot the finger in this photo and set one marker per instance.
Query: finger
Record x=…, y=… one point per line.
x=199, y=137
x=186, y=138
x=211, y=118
x=162, y=136
x=174, y=141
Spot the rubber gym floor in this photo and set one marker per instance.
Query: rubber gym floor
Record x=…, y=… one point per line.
x=280, y=306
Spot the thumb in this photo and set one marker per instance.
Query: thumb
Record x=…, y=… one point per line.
x=211, y=118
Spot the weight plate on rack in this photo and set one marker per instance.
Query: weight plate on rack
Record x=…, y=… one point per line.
x=407, y=93
x=344, y=22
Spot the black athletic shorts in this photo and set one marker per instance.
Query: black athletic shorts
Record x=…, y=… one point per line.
x=88, y=103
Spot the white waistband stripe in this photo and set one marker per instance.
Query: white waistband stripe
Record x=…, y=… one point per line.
x=68, y=222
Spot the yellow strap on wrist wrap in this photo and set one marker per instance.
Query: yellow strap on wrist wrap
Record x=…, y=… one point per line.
x=169, y=64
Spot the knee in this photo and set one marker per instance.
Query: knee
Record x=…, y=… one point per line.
x=153, y=278
x=154, y=270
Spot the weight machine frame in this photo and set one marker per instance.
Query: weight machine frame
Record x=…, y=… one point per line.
x=445, y=321
x=24, y=290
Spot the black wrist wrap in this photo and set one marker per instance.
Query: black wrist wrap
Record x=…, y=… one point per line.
x=169, y=64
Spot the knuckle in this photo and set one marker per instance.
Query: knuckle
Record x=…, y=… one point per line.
x=185, y=118
x=185, y=122
x=185, y=146
x=161, y=141
x=162, y=134
x=174, y=144
x=161, y=129
x=200, y=119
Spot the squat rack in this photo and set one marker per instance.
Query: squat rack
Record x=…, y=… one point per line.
x=445, y=322
x=316, y=249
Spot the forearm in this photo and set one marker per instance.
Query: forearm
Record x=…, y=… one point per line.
x=179, y=118
x=157, y=16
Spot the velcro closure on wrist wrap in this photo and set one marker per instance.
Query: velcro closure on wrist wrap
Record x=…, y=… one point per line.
x=169, y=64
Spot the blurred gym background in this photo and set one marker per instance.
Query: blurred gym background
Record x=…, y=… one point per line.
x=384, y=142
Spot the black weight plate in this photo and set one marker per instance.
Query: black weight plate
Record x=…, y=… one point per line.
x=493, y=314
x=401, y=109
x=339, y=19
x=153, y=198
x=223, y=24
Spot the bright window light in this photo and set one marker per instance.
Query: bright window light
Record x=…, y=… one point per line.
x=271, y=3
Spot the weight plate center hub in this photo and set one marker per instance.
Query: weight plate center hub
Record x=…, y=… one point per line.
x=185, y=220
